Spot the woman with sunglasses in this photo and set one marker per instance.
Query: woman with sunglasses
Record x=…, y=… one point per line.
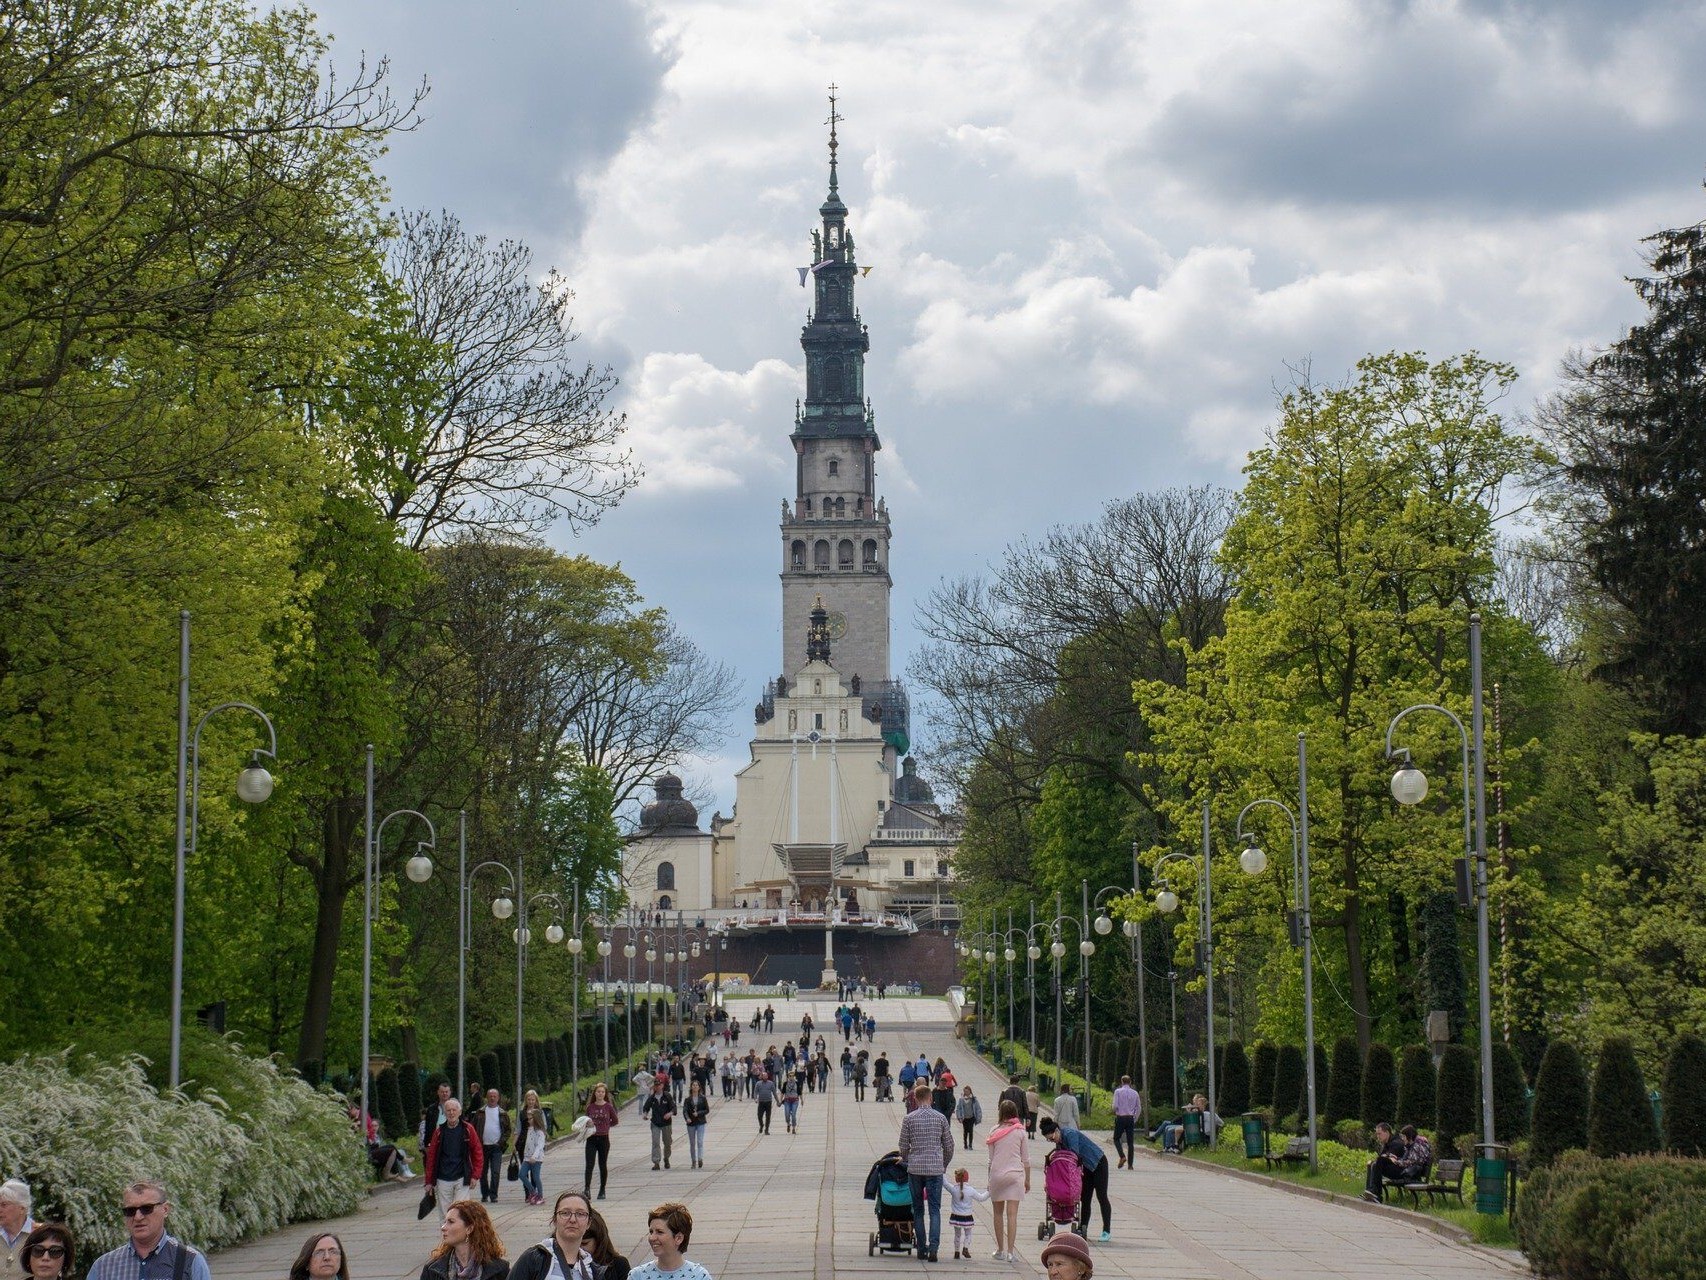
x=321, y=1258
x=48, y=1253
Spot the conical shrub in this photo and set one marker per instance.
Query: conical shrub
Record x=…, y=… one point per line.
x=1323, y=1074
x=1262, y=1065
x=1416, y=1087
x=1684, y=1093
x=1378, y=1099
x=1620, y=1118
x=1234, y=1081
x=1344, y=1082
x=1161, y=1081
x=388, y=1105
x=1457, y=1098
x=1288, y=1081
x=1560, y=1105
x=1510, y=1095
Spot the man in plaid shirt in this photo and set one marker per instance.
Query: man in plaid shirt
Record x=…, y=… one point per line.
x=927, y=1145
x=149, y=1254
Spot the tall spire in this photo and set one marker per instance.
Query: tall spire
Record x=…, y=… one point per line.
x=834, y=119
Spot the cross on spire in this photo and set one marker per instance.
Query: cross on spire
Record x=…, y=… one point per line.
x=834, y=118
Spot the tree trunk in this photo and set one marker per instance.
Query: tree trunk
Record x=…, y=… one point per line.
x=1354, y=964
x=338, y=827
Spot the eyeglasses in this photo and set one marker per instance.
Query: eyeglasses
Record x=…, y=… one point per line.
x=141, y=1210
x=328, y=1253
x=569, y=1215
x=49, y=1250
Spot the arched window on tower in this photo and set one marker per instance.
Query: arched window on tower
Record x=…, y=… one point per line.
x=835, y=466
x=844, y=554
x=666, y=875
x=820, y=554
x=840, y=508
x=797, y=554
x=870, y=551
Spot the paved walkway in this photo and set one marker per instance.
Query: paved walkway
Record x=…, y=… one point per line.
x=791, y=1205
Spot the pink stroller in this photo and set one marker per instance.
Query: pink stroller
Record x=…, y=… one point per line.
x=1063, y=1185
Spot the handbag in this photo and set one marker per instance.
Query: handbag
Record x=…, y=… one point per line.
x=514, y=1170
x=427, y=1202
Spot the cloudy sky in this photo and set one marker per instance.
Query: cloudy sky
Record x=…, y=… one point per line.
x=1101, y=232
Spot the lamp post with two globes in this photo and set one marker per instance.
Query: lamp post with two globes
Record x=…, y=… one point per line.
x=1302, y=932
x=1103, y=924
x=1410, y=787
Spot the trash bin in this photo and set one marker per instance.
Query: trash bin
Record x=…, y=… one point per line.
x=1491, y=1174
x=1255, y=1136
x=621, y=1081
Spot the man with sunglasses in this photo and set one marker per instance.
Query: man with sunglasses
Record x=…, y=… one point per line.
x=15, y=1224
x=150, y=1253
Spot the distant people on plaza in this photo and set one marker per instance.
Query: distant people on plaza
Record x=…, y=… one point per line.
x=642, y=1082
x=870, y=1029
x=562, y=1255
x=1094, y=1162
x=847, y=1065
x=962, y=1199
x=696, y=1110
x=969, y=1112
x=769, y=1018
x=1387, y=1165
x=602, y=1112
x=532, y=1143
x=677, y=1077
x=1033, y=1109
x=475, y=1100
x=927, y=1145
x=491, y=1122
x=923, y=1065
x=1014, y=1093
x=1066, y=1108
x=1173, y=1131
x=15, y=1226
x=1067, y=1257
x=861, y=1069
x=454, y=1158
x=659, y=1109
x=1127, y=1103
x=908, y=1077
x=151, y=1252
x=790, y=1104
x=1009, y=1176
x=432, y=1115
x=669, y=1228
x=49, y=1253
x=596, y=1242
x=468, y=1246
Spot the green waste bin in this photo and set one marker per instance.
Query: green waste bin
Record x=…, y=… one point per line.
x=1491, y=1175
x=1255, y=1137
x=621, y=1081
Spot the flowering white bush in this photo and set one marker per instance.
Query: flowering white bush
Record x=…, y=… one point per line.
x=79, y=1130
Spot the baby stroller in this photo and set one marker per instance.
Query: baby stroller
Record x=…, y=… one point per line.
x=889, y=1185
x=1063, y=1185
x=885, y=1088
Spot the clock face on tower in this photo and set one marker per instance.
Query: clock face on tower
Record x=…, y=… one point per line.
x=837, y=625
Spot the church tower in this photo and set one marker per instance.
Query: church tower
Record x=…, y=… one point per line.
x=835, y=535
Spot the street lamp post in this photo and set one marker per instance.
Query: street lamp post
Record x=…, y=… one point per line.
x=1410, y=787
x=1167, y=900
x=575, y=943
x=1086, y=949
x=1033, y=953
x=419, y=870
x=523, y=935
x=254, y=785
x=1254, y=861
x=628, y=950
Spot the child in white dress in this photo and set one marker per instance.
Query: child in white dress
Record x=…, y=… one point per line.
x=961, y=1196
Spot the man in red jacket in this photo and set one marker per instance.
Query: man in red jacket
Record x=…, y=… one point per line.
x=453, y=1159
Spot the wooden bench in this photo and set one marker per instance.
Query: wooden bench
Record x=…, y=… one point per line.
x=1443, y=1179
x=1296, y=1152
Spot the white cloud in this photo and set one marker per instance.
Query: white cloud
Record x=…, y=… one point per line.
x=695, y=427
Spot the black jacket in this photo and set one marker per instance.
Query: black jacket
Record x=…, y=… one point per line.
x=439, y=1269
x=535, y=1264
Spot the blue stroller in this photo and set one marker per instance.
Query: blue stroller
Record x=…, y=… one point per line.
x=890, y=1186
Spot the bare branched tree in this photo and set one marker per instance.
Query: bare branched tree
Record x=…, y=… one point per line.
x=1033, y=666
x=514, y=437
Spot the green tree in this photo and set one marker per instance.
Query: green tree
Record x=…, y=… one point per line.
x=1363, y=538
x=1684, y=1094
x=1416, y=1083
x=1457, y=1099
x=1631, y=425
x=1344, y=1082
x=1620, y=1118
x=1378, y=1097
x=1560, y=1104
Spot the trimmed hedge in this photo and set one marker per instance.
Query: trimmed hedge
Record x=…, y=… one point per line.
x=1510, y=1095
x=1234, y=1080
x=1620, y=1119
x=1587, y=1218
x=1684, y=1093
x=1415, y=1103
x=1288, y=1081
x=1263, y=1062
x=1377, y=1100
x=1344, y=1083
x=1457, y=1100
x=1560, y=1105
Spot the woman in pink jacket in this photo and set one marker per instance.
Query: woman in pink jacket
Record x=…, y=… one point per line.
x=1009, y=1178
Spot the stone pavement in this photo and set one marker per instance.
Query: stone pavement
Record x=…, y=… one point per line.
x=789, y=1205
